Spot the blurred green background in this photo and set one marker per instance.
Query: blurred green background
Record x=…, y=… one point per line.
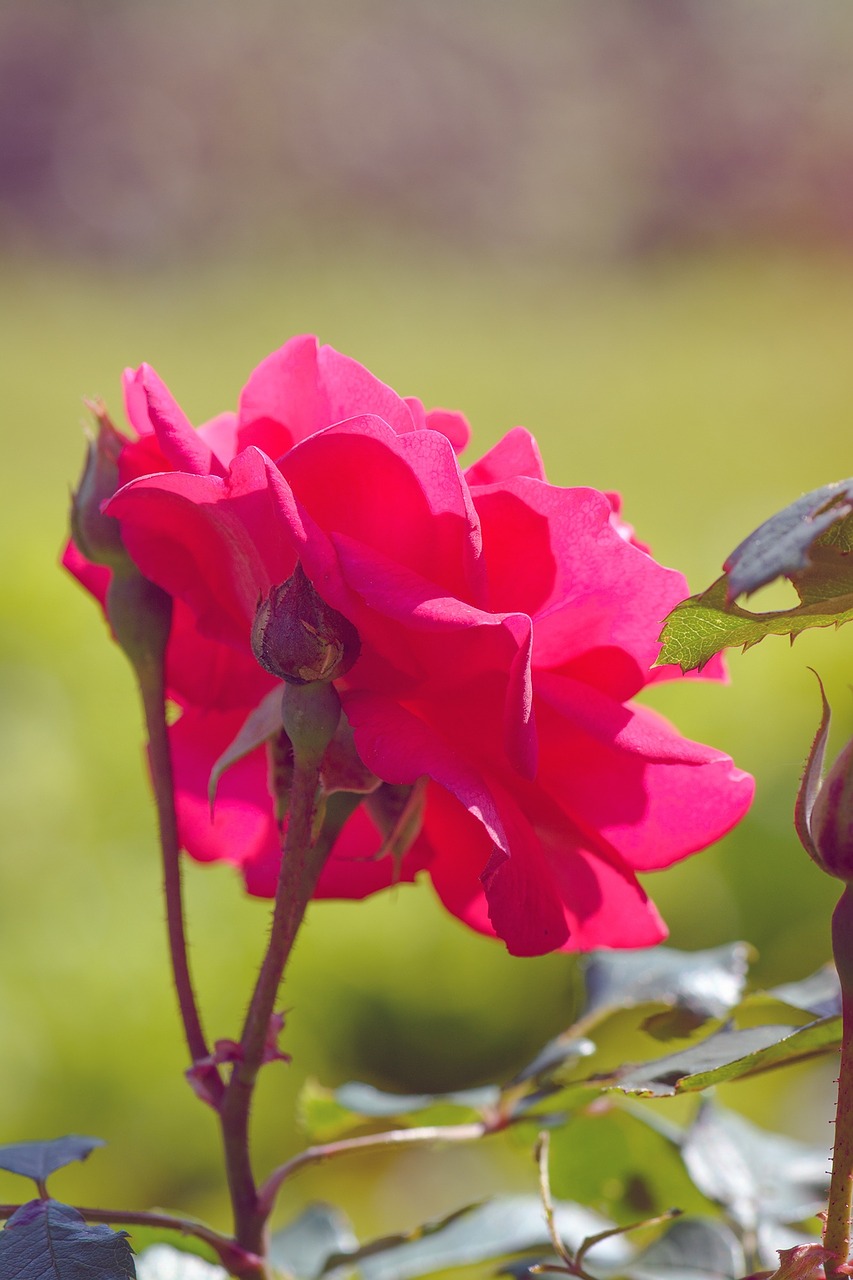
x=628, y=230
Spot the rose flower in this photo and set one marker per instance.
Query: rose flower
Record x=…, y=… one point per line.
x=504, y=626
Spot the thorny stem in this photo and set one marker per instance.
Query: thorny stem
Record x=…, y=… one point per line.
x=300, y=868
x=230, y=1255
x=836, y=1236
x=369, y=1142
x=152, y=689
x=573, y=1268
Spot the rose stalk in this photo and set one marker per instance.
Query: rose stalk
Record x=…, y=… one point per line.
x=824, y=822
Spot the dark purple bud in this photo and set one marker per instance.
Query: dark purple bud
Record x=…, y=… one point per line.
x=832, y=818
x=823, y=815
x=96, y=536
x=301, y=639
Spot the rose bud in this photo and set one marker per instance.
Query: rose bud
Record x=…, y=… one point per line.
x=823, y=815
x=96, y=536
x=832, y=818
x=299, y=638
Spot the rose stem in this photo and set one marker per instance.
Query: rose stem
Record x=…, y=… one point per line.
x=300, y=869
x=371, y=1142
x=837, y=1232
x=152, y=688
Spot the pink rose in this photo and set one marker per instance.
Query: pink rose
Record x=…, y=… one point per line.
x=504, y=622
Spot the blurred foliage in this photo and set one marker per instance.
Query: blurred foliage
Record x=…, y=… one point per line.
x=710, y=391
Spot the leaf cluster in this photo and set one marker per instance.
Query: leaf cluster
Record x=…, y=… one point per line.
x=615, y=1161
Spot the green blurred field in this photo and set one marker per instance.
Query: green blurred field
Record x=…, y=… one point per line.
x=709, y=391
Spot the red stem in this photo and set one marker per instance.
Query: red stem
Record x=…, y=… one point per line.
x=153, y=692
x=300, y=868
x=837, y=1232
x=369, y=1142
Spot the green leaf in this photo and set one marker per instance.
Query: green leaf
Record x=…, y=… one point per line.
x=692, y=1249
x=327, y=1113
x=481, y=1233
x=705, y=984
x=809, y=543
x=614, y=1160
x=47, y=1240
x=163, y=1262
x=726, y=1055
x=38, y=1160
x=367, y=1101
x=303, y=1247
x=702, y=625
x=554, y=1055
x=754, y=1174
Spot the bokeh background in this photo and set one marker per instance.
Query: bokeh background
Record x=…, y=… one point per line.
x=628, y=227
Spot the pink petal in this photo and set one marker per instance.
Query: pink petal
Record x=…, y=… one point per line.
x=409, y=498
x=94, y=577
x=517, y=454
x=554, y=554
x=181, y=444
x=215, y=543
x=220, y=435
x=401, y=748
x=550, y=893
x=442, y=643
x=242, y=829
x=304, y=388
x=450, y=423
x=626, y=777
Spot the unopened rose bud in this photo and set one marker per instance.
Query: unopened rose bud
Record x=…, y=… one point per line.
x=823, y=815
x=96, y=536
x=301, y=639
x=832, y=818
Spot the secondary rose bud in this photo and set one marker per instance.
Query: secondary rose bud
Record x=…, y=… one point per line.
x=299, y=638
x=823, y=815
x=96, y=536
x=832, y=818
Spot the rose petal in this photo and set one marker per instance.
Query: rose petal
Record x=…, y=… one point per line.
x=626, y=776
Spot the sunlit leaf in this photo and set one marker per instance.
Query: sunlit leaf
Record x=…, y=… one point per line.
x=328, y=1113
x=304, y=1246
x=37, y=1160
x=368, y=1101
x=705, y=624
x=479, y=1233
x=809, y=542
x=726, y=1055
x=613, y=1158
x=692, y=1249
x=46, y=1240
